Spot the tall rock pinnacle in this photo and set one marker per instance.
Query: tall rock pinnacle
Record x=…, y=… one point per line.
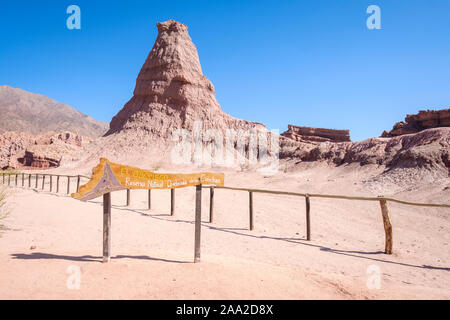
x=171, y=91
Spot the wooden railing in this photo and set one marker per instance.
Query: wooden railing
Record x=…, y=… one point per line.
x=383, y=201
x=19, y=179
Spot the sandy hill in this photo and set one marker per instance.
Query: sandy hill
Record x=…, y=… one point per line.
x=24, y=111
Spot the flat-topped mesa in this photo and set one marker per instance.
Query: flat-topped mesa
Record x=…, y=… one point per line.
x=171, y=91
x=308, y=134
x=417, y=122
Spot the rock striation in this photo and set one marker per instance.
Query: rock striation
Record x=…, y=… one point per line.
x=171, y=91
x=417, y=122
x=24, y=150
x=428, y=149
x=308, y=134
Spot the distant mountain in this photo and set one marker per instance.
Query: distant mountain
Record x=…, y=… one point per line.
x=24, y=111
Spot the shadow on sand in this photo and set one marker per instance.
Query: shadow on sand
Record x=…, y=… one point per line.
x=368, y=255
x=85, y=258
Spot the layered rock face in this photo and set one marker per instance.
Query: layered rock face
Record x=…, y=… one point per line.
x=428, y=149
x=171, y=91
x=23, y=150
x=417, y=122
x=41, y=157
x=314, y=135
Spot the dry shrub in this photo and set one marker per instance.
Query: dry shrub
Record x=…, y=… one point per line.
x=3, y=209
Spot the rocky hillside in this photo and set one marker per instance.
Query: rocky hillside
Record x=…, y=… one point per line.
x=21, y=150
x=23, y=111
x=405, y=160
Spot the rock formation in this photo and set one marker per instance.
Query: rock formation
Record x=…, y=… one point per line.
x=171, y=91
x=417, y=122
x=24, y=150
x=41, y=157
x=428, y=149
x=314, y=135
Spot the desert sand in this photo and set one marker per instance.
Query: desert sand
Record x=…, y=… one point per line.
x=45, y=235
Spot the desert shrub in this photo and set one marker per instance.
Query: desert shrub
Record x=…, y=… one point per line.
x=3, y=209
x=2, y=202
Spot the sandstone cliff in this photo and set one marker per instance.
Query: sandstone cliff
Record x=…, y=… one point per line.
x=417, y=122
x=171, y=94
x=427, y=150
x=171, y=91
x=314, y=135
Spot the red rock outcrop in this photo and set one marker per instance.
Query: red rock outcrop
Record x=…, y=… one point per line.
x=428, y=149
x=314, y=135
x=417, y=122
x=40, y=158
x=171, y=91
x=21, y=150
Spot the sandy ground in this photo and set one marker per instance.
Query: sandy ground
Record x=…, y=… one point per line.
x=47, y=238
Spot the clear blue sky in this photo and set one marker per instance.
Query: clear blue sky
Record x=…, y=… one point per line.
x=311, y=63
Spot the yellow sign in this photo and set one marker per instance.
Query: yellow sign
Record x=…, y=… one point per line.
x=108, y=177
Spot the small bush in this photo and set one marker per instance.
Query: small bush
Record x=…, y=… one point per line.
x=3, y=210
x=2, y=202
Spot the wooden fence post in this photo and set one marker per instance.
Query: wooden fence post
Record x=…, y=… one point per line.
x=43, y=181
x=128, y=197
x=16, y=179
x=51, y=183
x=149, y=199
x=78, y=183
x=172, y=201
x=23, y=179
x=308, y=221
x=250, y=206
x=29, y=180
x=3, y=174
x=387, y=226
x=198, y=221
x=107, y=227
x=211, y=204
x=36, y=182
x=68, y=184
x=9, y=179
x=57, y=184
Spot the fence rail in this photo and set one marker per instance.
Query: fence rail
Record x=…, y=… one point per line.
x=332, y=196
x=6, y=179
x=383, y=201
